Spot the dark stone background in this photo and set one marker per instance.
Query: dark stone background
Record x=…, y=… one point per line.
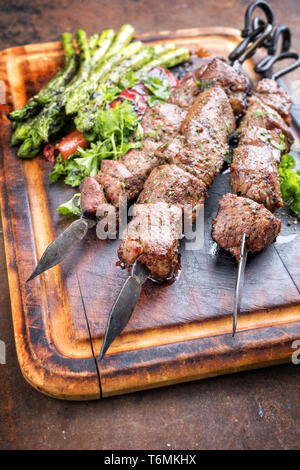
x=250, y=410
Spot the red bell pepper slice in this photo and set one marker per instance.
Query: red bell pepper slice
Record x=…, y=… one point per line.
x=70, y=143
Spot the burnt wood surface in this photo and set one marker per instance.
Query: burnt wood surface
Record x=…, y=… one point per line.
x=116, y=362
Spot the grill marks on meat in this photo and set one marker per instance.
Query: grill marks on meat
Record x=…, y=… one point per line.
x=153, y=237
x=202, y=149
x=118, y=182
x=261, y=115
x=238, y=215
x=173, y=185
x=184, y=181
x=140, y=162
x=92, y=195
x=185, y=95
x=162, y=122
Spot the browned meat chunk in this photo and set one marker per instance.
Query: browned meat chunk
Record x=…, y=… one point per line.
x=206, y=129
x=254, y=174
x=92, y=196
x=274, y=96
x=140, y=162
x=259, y=136
x=162, y=122
x=117, y=189
x=234, y=82
x=153, y=236
x=185, y=94
x=183, y=182
x=173, y=185
x=238, y=215
x=261, y=115
x=212, y=112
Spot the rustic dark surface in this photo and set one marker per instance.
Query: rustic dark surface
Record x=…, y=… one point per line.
x=250, y=410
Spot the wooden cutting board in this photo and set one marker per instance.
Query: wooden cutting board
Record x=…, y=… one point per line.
x=178, y=332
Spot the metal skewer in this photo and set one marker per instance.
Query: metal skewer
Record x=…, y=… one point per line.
x=63, y=245
x=239, y=282
x=255, y=34
x=124, y=305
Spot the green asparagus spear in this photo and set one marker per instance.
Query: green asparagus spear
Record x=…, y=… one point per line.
x=103, y=44
x=22, y=131
x=85, y=118
x=165, y=55
x=81, y=96
x=93, y=42
x=173, y=58
x=27, y=149
x=53, y=86
x=123, y=38
x=52, y=111
x=84, y=61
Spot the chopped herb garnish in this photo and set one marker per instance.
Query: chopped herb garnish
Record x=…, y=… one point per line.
x=159, y=89
x=113, y=130
x=228, y=157
x=200, y=145
x=266, y=137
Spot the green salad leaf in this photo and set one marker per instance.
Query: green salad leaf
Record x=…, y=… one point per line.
x=128, y=81
x=159, y=90
x=111, y=137
x=72, y=206
x=290, y=183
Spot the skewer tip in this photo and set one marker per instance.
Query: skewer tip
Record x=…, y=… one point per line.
x=101, y=355
x=32, y=276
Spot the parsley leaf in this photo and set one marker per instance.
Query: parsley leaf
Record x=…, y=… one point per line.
x=290, y=183
x=113, y=135
x=72, y=206
x=159, y=90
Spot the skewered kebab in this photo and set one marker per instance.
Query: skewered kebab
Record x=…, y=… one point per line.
x=149, y=245
x=246, y=223
x=183, y=181
x=117, y=178
x=58, y=249
x=129, y=294
x=125, y=178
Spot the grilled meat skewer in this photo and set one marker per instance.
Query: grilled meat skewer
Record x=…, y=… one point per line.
x=166, y=248
x=242, y=225
x=125, y=178
x=264, y=136
x=194, y=157
x=238, y=215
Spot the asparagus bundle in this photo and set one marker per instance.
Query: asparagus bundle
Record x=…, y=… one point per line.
x=140, y=63
x=80, y=90
x=53, y=87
